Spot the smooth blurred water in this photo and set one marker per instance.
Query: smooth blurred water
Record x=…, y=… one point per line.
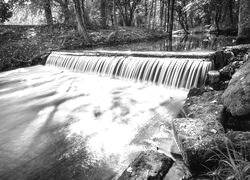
x=61, y=125
x=195, y=42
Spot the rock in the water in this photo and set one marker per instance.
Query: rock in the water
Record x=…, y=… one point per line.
x=236, y=98
x=149, y=165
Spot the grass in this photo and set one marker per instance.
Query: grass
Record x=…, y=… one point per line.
x=232, y=165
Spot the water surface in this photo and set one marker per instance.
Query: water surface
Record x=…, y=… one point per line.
x=61, y=125
x=194, y=42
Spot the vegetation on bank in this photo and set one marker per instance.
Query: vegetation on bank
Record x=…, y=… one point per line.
x=80, y=24
x=22, y=46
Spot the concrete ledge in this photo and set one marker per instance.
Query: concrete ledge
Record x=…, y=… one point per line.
x=201, y=55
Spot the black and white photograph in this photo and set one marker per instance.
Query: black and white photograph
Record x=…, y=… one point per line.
x=124, y=89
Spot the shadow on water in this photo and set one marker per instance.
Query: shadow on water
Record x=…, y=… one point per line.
x=196, y=42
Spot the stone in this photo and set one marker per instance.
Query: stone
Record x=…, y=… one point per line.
x=228, y=55
x=178, y=171
x=236, y=97
x=219, y=60
x=227, y=72
x=213, y=76
x=197, y=142
x=201, y=130
x=195, y=92
x=207, y=106
x=149, y=165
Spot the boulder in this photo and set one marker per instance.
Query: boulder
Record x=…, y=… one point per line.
x=208, y=106
x=178, y=171
x=236, y=97
x=149, y=165
x=199, y=139
x=200, y=132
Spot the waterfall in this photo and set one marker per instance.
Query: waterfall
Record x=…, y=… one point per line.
x=170, y=71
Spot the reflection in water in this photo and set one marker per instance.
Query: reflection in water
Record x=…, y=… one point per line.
x=200, y=42
x=61, y=125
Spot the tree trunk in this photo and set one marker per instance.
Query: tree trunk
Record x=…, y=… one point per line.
x=244, y=23
x=103, y=14
x=48, y=12
x=82, y=30
x=114, y=15
x=161, y=12
x=65, y=11
x=230, y=6
x=150, y=14
x=127, y=9
x=168, y=20
x=171, y=23
x=154, y=19
x=165, y=16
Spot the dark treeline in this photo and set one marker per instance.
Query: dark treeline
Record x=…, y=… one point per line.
x=165, y=15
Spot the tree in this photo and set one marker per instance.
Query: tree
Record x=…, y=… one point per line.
x=103, y=9
x=5, y=12
x=64, y=5
x=47, y=10
x=127, y=9
x=244, y=23
x=171, y=23
x=79, y=11
x=37, y=5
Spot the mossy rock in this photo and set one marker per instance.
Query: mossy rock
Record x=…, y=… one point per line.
x=199, y=140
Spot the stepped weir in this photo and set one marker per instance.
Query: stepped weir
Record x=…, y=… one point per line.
x=182, y=70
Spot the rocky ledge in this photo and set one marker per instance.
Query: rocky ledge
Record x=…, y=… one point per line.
x=216, y=122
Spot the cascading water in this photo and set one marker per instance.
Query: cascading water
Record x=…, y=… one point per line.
x=56, y=124
x=169, y=71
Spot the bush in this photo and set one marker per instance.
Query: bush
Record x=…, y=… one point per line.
x=5, y=12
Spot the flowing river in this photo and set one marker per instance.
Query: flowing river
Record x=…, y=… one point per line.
x=57, y=124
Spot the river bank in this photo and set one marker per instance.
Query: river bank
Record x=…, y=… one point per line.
x=212, y=131
x=23, y=46
x=223, y=144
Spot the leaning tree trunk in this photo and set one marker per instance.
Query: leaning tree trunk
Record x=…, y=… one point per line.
x=82, y=30
x=244, y=23
x=48, y=12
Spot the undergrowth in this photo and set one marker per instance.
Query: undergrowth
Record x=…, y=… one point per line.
x=232, y=165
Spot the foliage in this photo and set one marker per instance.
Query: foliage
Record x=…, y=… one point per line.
x=5, y=11
x=232, y=165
